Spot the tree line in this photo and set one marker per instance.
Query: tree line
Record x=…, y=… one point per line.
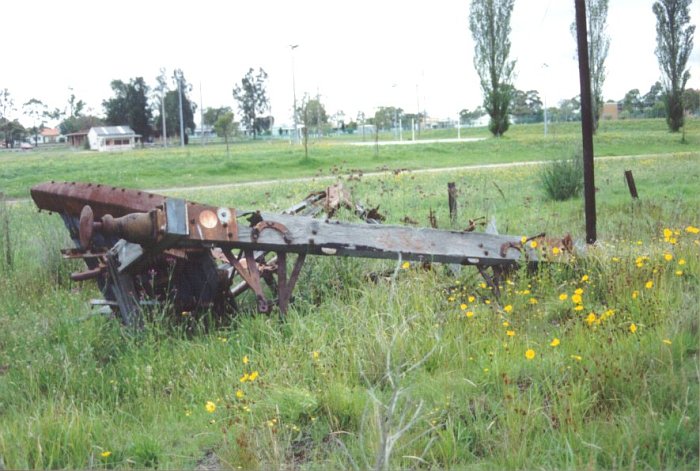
x=165, y=109
x=489, y=23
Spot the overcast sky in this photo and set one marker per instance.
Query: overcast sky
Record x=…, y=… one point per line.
x=357, y=54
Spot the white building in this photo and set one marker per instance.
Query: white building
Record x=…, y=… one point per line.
x=109, y=138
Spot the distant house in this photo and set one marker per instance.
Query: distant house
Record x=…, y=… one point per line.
x=611, y=110
x=111, y=138
x=49, y=135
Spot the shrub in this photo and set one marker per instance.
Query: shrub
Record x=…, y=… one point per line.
x=563, y=179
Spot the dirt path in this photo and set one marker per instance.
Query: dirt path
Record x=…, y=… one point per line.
x=378, y=173
x=389, y=172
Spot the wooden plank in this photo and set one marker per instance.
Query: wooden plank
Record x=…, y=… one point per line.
x=325, y=237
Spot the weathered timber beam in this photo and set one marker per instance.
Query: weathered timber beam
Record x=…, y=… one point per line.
x=312, y=236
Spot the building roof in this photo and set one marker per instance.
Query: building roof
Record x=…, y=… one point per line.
x=113, y=131
x=50, y=132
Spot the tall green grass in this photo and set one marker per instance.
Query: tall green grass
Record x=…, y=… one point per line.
x=357, y=353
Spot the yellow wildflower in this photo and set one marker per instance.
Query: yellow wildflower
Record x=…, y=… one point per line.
x=471, y=299
x=405, y=265
x=245, y=360
x=649, y=284
x=576, y=298
x=591, y=318
x=506, y=323
x=529, y=354
x=635, y=293
x=508, y=308
x=633, y=327
x=510, y=333
x=210, y=406
x=681, y=261
x=470, y=314
x=533, y=244
x=533, y=300
x=554, y=342
x=668, y=257
x=523, y=239
x=615, y=259
x=463, y=307
x=240, y=394
x=584, y=278
x=578, y=307
x=253, y=376
x=692, y=230
x=667, y=233
x=563, y=296
x=106, y=454
x=556, y=251
x=577, y=357
x=679, y=272
x=315, y=354
x=578, y=291
x=667, y=341
x=244, y=378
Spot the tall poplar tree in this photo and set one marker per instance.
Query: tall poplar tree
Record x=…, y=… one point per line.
x=489, y=22
x=674, y=43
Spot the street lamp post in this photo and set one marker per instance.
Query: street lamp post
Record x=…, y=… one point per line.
x=294, y=92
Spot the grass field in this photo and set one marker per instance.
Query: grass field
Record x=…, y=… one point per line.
x=587, y=364
x=249, y=161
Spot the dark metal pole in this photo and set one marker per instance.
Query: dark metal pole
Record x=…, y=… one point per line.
x=586, y=121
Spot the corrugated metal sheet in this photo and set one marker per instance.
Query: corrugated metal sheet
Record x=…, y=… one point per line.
x=110, y=131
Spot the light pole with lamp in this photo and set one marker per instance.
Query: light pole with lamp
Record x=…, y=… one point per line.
x=178, y=77
x=294, y=92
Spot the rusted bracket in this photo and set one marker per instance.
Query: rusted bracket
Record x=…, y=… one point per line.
x=262, y=225
x=251, y=275
x=489, y=281
x=286, y=286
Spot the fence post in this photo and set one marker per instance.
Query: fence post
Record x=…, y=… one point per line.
x=452, y=201
x=630, y=184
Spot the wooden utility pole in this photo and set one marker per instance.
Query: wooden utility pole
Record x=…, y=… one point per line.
x=586, y=121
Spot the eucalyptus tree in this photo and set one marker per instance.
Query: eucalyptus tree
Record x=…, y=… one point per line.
x=252, y=99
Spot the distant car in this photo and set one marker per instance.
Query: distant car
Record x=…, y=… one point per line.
x=26, y=146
